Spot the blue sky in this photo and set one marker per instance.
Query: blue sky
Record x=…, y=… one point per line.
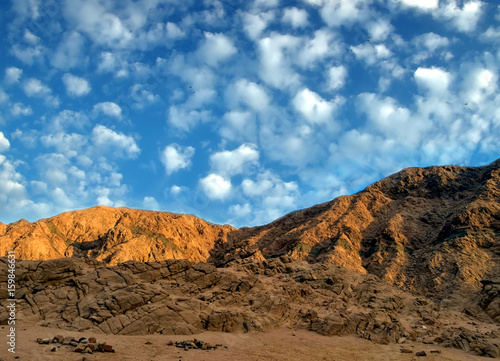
x=237, y=111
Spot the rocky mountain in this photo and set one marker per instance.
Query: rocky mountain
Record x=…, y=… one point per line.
x=432, y=230
x=113, y=235
x=181, y=297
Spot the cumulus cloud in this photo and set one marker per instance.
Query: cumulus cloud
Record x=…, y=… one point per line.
x=175, y=158
x=108, y=108
x=102, y=26
x=184, y=119
x=69, y=52
x=12, y=75
x=345, y=12
x=239, y=126
x=34, y=87
x=323, y=45
x=371, y=54
x=275, y=52
x=434, y=80
x=173, y=31
x=215, y=186
x=255, y=24
x=150, y=203
x=216, y=48
x=425, y=5
x=249, y=93
x=76, y=86
x=297, y=18
x=336, y=77
x=121, y=144
x=4, y=143
x=313, y=107
x=230, y=163
x=20, y=109
x=379, y=29
x=465, y=19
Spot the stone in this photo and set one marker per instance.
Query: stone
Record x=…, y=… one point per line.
x=436, y=351
x=491, y=351
x=406, y=350
x=43, y=341
x=58, y=339
x=92, y=340
x=420, y=353
x=53, y=349
x=106, y=348
x=67, y=340
x=73, y=343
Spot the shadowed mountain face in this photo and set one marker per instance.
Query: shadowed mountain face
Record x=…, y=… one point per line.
x=434, y=230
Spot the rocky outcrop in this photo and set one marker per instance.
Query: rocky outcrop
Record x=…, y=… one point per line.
x=113, y=235
x=433, y=230
x=180, y=297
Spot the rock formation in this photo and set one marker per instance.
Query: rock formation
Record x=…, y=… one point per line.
x=388, y=263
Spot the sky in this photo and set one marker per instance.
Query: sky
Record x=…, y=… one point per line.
x=238, y=112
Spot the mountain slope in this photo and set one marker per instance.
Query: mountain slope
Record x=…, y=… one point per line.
x=113, y=235
x=433, y=230
x=425, y=229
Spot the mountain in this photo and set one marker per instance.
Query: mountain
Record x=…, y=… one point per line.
x=113, y=235
x=432, y=230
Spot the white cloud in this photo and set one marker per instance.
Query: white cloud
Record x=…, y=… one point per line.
x=12, y=75
x=215, y=186
x=239, y=126
x=186, y=120
x=142, y=97
x=255, y=24
x=432, y=41
x=103, y=27
x=229, y=163
x=392, y=121
x=479, y=84
x=249, y=93
x=150, y=203
x=465, y=19
x=34, y=87
x=379, y=29
x=425, y=5
x=434, y=80
x=4, y=143
x=324, y=44
x=108, y=108
x=175, y=190
x=29, y=54
x=30, y=37
x=371, y=54
x=76, y=86
x=336, y=77
x=297, y=18
x=313, y=107
x=345, y=12
x=69, y=53
x=275, y=60
x=173, y=31
x=175, y=158
x=68, y=118
x=19, y=109
x=68, y=144
x=241, y=210
x=216, y=48
x=121, y=144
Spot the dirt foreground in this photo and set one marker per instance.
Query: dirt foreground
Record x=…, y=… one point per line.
x=281, y=344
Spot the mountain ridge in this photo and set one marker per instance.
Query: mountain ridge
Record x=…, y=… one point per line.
x=434, y=230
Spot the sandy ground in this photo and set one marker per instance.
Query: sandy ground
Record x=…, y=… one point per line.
x=282, y=344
